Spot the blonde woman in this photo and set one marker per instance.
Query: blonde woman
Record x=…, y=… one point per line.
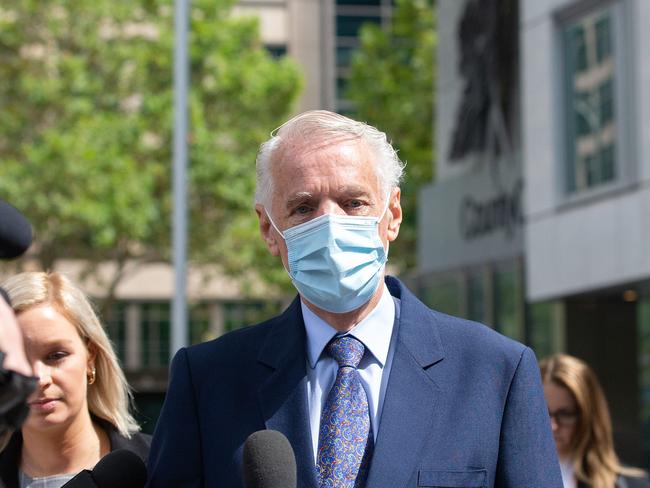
x=582, y=427
x=80, y=411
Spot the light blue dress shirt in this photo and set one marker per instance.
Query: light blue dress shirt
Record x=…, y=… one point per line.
x=375, y=332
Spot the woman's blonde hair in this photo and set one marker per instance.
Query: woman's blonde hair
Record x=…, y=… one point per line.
x=592, y=446
x=109, y=397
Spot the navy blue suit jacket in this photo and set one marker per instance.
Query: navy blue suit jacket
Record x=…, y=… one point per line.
x=464, y=406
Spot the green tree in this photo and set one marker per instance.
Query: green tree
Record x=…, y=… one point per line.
x=86, y=126
x=392, y=87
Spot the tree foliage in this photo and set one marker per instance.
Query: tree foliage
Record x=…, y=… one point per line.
x=86, y=126
x=392, y=87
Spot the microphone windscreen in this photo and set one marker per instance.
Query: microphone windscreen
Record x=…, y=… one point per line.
x=120, y=468
x=269, y=461
x=15, y=232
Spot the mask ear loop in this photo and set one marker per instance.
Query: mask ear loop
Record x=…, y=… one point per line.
x=379, y=219
x=268, y=215
x=390, y=192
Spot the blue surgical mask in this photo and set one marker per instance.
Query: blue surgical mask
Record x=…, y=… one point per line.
x=336, y=261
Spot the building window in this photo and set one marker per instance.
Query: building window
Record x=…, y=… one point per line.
x=199, y=323
x=154, y=334
x=508, y=302
x=147, y=346
x=375, y=3
x=492, y=295
x=344, y=56
x=276, y=50
x=349, y=25
x=476, y=297
x=351, y=15
x=444, y=295
x=115, y=320
x=590, y=84
x=242, y=313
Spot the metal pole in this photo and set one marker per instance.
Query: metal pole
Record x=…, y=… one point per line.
x=179, y=238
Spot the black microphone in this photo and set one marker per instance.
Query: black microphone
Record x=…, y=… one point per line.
x=15, y=232
x=269, y=461
x=118, y=469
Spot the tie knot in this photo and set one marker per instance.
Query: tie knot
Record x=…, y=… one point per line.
x=346, y=350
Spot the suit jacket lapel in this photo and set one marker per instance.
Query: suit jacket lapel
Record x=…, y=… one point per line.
x=283, y=397
x=411, y=394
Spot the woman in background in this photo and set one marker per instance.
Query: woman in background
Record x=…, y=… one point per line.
x=582, y=427
x=80, y=411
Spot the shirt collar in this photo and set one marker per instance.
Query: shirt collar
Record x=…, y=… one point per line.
x=374, y=330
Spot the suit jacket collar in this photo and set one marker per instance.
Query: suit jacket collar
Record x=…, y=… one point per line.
x=286, y=337
x=283, y=396
x=410, y=395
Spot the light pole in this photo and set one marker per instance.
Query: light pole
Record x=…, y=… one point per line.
x=179, y=185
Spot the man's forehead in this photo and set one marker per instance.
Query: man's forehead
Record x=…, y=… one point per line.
x=333, y=160
x=302, y=147
x=308, y=168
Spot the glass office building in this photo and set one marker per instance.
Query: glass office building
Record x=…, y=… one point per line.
x=539, y=222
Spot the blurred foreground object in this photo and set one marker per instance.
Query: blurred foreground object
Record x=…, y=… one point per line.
x=16, y=383
x=15, y=232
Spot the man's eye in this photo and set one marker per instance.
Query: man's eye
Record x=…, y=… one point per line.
x=302, y=209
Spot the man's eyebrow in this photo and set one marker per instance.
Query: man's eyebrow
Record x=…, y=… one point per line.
x=348, y=190
x=353, y=190
x=298, y=198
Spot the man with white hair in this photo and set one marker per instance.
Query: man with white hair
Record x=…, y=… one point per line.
x=370, y=386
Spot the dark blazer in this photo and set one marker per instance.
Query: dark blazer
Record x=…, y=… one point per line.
x=464, y=406
x=9, y=458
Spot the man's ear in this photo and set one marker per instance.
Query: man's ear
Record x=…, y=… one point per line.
x=267, y=230
x=395, y=211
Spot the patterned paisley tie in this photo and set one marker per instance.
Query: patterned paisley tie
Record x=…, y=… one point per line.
x=345, y=440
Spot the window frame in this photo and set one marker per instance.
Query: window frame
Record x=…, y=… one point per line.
x=624, y=115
